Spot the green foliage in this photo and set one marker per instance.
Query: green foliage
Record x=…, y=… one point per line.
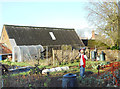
x=6, y=61
x=43, y=66
x=69, y=64
x=35, y=70
x=23, y=73
x=46, y=83
x=115, y=47
x=30, y=85
x=89, y=82
x=93, y=43
x=90, y=66
x=94, y=64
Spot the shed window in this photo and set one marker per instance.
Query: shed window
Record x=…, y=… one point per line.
x=52, y=35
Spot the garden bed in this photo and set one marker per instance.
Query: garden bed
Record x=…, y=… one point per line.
x=34, y=78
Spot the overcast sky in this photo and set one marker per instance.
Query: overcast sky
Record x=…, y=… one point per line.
x=47, y=13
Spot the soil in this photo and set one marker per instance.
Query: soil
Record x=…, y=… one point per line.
x=39, y=80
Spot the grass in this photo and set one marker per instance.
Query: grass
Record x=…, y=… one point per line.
x=26, y=63
x=15, y=63
x=23, y=73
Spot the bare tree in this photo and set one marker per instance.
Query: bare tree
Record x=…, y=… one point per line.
x=104, y=15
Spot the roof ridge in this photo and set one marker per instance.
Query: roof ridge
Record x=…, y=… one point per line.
x=40, y=27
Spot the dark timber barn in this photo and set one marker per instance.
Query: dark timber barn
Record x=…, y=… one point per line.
x=13, y=35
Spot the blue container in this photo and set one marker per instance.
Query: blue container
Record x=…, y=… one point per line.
x=69, y=80
x=0, y=57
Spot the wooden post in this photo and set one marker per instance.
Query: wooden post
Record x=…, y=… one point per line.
x=56, y=58
x=39, y=56
x=70, y=57
x=13, y=54
x=53, y=56
x=20, y=59
x=73, y=55
x=47, y=54
x=1, y=82
x=21, y=52
x=62, y=56
x=98, y=68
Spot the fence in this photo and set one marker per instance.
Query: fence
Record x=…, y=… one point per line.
x=52, y=55
x=110, y=55
x=61, y=54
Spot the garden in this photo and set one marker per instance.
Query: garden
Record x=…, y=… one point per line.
x=35, y=78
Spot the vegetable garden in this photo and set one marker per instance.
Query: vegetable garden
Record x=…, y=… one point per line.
x=97, y=73
x=34, y=77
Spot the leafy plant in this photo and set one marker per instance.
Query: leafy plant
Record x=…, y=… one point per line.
x=36, y=70
x=115, y=47
x=46, y=83
x=15, y=63
x=30, y=86
x=89, y=82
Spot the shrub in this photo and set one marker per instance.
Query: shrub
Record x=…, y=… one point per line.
x=115, y=47
x=89, y=82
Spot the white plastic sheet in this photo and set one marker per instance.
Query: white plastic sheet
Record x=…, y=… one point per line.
x=55, y=69
x=26, y=53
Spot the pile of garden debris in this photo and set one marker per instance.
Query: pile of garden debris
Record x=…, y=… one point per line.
x=6, y=69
